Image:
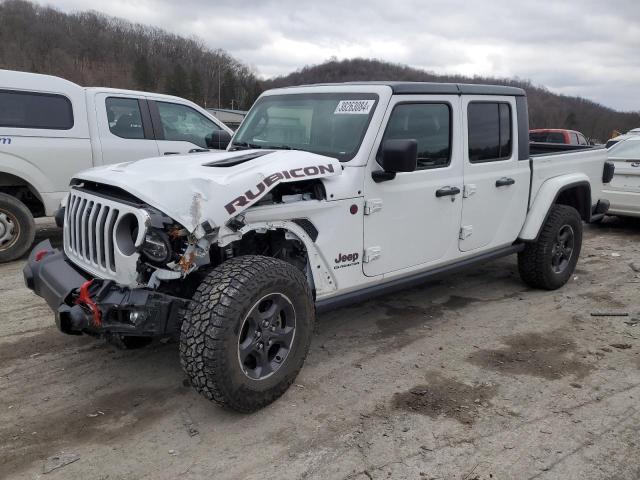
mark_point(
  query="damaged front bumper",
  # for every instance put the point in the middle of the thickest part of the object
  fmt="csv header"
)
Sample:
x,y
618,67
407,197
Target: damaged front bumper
x,y
83,304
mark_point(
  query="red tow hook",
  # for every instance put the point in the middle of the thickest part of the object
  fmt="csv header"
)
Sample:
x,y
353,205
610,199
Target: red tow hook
x,y
84,298
41,254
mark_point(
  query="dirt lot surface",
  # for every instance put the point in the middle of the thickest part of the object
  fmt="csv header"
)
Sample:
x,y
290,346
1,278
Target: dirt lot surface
x,y
472,377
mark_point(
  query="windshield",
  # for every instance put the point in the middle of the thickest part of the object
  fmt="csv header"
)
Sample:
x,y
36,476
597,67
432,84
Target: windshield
x,y
325,123
628,149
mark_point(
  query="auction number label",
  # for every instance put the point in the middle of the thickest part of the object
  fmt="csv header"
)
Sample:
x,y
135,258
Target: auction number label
x,y
357,107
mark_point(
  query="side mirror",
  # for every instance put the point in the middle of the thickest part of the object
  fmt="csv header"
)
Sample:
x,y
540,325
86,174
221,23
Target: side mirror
x,y
396,156
218,140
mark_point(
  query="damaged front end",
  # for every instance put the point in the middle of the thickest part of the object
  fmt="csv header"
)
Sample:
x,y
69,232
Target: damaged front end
x,y
136,243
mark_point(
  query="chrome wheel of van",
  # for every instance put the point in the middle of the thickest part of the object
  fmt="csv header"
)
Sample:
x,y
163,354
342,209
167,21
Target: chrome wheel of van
x,y
9,230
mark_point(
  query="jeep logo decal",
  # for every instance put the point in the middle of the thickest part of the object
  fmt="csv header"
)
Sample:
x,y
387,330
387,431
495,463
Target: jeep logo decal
x,y
251,195
346,260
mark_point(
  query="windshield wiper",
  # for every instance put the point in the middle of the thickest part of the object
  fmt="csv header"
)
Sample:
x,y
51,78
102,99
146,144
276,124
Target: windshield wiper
x,y
244,146
284,147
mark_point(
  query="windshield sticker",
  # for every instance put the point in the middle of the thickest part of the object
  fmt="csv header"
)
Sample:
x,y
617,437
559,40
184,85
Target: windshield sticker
x,y
357,107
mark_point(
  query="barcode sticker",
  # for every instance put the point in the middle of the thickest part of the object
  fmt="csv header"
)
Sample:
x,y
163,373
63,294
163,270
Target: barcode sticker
x,y
357,107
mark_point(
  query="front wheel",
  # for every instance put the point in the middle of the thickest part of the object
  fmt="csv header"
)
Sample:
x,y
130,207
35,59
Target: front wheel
x,y
247,331
17,228
549,262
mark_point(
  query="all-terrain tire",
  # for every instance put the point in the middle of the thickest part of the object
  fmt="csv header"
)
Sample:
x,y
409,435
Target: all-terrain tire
x,y
215,320
17,228
536,263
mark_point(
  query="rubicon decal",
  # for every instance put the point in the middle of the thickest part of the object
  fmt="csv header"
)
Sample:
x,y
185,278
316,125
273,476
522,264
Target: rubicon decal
x,y
346,260
250,195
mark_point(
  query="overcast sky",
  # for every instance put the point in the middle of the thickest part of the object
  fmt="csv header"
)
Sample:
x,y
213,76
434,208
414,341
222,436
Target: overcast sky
x,y
589,48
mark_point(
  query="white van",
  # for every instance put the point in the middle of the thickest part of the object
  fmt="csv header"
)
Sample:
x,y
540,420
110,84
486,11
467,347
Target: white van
x,y
51,129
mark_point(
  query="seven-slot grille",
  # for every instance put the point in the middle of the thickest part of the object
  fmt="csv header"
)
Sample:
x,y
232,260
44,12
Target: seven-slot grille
x,y
89,225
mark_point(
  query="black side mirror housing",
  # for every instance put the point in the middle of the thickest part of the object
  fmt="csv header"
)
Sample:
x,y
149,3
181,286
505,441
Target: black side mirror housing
x,y
396,156
218,139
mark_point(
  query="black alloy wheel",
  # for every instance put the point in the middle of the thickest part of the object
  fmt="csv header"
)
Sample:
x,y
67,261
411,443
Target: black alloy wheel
x,y
266,336
562,250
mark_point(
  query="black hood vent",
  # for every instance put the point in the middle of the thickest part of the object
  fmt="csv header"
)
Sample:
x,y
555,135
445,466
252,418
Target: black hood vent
x,y
230,162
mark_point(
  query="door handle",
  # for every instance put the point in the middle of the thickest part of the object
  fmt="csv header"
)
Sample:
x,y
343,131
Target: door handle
x,y
444,191
505,182
172,153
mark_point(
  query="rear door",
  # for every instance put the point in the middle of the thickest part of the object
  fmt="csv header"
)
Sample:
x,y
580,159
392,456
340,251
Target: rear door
x,y
180,128
412,221
496,183
124,127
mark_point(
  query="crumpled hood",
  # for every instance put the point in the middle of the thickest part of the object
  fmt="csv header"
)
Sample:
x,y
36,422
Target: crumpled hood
x,y
198,187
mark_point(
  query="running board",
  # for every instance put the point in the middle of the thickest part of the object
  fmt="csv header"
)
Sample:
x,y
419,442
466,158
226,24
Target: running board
x,y
410,281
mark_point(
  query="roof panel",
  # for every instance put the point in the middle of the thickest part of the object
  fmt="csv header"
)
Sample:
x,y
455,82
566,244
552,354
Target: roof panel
x,y
417,88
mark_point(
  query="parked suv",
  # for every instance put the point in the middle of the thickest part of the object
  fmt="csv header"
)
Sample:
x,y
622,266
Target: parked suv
x,y
328,195
51,129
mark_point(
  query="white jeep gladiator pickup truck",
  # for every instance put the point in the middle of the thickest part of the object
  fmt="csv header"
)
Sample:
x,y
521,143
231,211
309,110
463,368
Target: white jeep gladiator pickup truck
x,y
328,195
51,129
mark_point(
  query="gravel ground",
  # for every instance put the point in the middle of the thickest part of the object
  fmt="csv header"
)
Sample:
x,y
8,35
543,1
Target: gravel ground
x,y
472,377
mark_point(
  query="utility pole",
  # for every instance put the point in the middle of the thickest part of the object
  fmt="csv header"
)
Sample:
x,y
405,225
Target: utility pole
x,y
219,83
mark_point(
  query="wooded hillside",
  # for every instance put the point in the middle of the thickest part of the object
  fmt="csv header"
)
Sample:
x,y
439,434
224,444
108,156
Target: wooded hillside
x,y
546,109
96,50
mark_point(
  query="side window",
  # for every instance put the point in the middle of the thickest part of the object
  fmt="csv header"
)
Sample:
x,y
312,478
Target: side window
x,y
427,123
490,131
35,110
183,123
574,138
582,140
124,117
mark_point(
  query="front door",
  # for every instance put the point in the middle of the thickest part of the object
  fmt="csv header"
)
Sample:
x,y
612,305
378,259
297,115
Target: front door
x,y
496,182
413,220
179,128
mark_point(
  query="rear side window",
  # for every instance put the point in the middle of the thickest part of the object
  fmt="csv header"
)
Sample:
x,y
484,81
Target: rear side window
x,y
124,117
427,123
35,110
490,132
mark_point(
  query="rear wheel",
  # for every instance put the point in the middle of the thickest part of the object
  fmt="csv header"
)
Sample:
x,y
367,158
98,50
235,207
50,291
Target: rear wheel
x,y
17,228
247,332
549,262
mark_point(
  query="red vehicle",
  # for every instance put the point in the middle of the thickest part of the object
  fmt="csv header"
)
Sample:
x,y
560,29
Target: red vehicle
x,y
557,135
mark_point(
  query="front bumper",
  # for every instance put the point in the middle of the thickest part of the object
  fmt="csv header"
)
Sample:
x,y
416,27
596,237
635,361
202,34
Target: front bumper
x,y
116,309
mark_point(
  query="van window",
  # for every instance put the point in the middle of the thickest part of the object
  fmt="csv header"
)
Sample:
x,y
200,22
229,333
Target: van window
x,y
490,135
427,123
35,110
183,123
124,117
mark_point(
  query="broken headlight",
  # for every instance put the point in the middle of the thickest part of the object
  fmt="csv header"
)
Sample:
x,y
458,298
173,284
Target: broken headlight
x,y
156,247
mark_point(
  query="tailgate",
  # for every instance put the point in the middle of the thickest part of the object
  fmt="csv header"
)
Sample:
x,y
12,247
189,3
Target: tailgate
x,y
626,177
